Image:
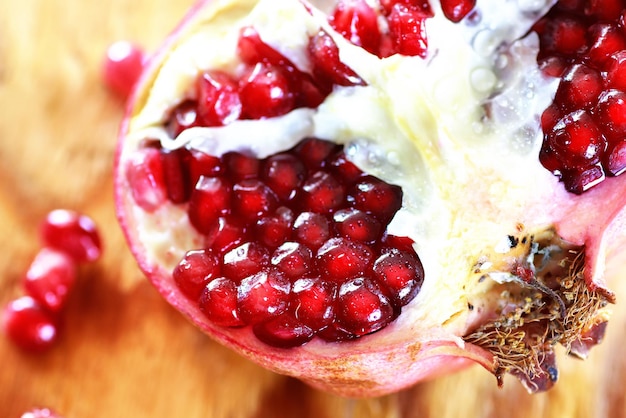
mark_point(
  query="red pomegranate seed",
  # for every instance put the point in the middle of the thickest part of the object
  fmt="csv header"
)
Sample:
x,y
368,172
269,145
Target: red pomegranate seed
x,y
616,74
272,231
401,273
344,169
218,301
357,225
327,65
580,87
227,234
456,10
244,260
610,113
580,180
252,199
50,278
313,301
362,307
218,99
209,200
340,259
604,9
262,296
265,92
40,413
194,271
240,166
73,233
311,229
293,259
29,325
374,196
358,23
283,331
313,152
605,40
122,67
182,117
144,173
408,31
576,140
175,175
322,192
284,174
201,164
616,161
252,49
562,35
422,5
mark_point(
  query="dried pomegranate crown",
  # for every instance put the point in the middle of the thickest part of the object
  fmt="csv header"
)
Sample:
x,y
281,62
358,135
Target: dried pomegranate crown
x,y
364,194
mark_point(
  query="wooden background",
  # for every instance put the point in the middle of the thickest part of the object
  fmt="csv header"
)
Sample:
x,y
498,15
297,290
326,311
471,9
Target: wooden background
x,y
124,352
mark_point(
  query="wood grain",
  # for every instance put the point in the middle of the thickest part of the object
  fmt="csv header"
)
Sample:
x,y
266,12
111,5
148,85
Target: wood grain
x,y
124,352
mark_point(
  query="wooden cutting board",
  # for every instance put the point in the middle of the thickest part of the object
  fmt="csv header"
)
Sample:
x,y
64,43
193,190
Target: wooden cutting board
x,y
123,352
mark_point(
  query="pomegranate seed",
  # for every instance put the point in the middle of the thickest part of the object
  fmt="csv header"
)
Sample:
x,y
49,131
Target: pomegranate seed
x,y
265,92
374,196
182,117
245,260
218,99
311,229
283,331
604,9
616,74
342,168
456,10
340,258
408,31
275,230
313,152
422,5
201,164
29,325
616,163
401,273
262,296
240,166
40,413
252,199
313,301
50,278
322,192
580,180
175,175
610,113
209,200
293,259
228,233
358,23
357,225
218,301
252,50
327,65
144,173
73,233
284,174
605,40
362,308
563,35
194,271
579,88
122,67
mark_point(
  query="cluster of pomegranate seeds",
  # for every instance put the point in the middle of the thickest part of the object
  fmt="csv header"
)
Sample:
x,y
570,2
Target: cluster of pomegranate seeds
x,y
405,33
68,238
122,67
583,42
295,245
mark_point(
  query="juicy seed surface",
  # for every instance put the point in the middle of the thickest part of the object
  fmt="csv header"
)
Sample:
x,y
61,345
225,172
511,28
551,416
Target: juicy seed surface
x,y
29,325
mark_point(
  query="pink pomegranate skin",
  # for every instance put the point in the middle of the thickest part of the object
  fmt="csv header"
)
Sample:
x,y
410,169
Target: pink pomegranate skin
x,y
403,353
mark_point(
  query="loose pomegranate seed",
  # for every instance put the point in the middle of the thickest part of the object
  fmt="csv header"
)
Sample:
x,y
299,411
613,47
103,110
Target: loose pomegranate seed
x,y
283,331
293,259
245,260
456,10
362,307
327,65
71,232
218,99
357,225
358,23
50,278
122,67
313,302
144,173
209,200
29,325
408,31
341,258
194,271
262,296
218,301
401,273
265,92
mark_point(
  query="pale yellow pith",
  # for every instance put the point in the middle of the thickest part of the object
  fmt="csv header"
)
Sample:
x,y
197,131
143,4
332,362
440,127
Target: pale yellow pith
x,y
419,123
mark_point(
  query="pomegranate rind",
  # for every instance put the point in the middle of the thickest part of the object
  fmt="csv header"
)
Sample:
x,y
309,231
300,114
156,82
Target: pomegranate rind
x,y
414,347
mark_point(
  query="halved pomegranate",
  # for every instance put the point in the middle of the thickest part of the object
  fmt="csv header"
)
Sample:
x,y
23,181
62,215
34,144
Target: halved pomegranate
x,y
353,192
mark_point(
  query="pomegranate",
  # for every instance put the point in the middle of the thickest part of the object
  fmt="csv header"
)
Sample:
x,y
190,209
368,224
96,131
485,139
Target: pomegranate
x,y
366,194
